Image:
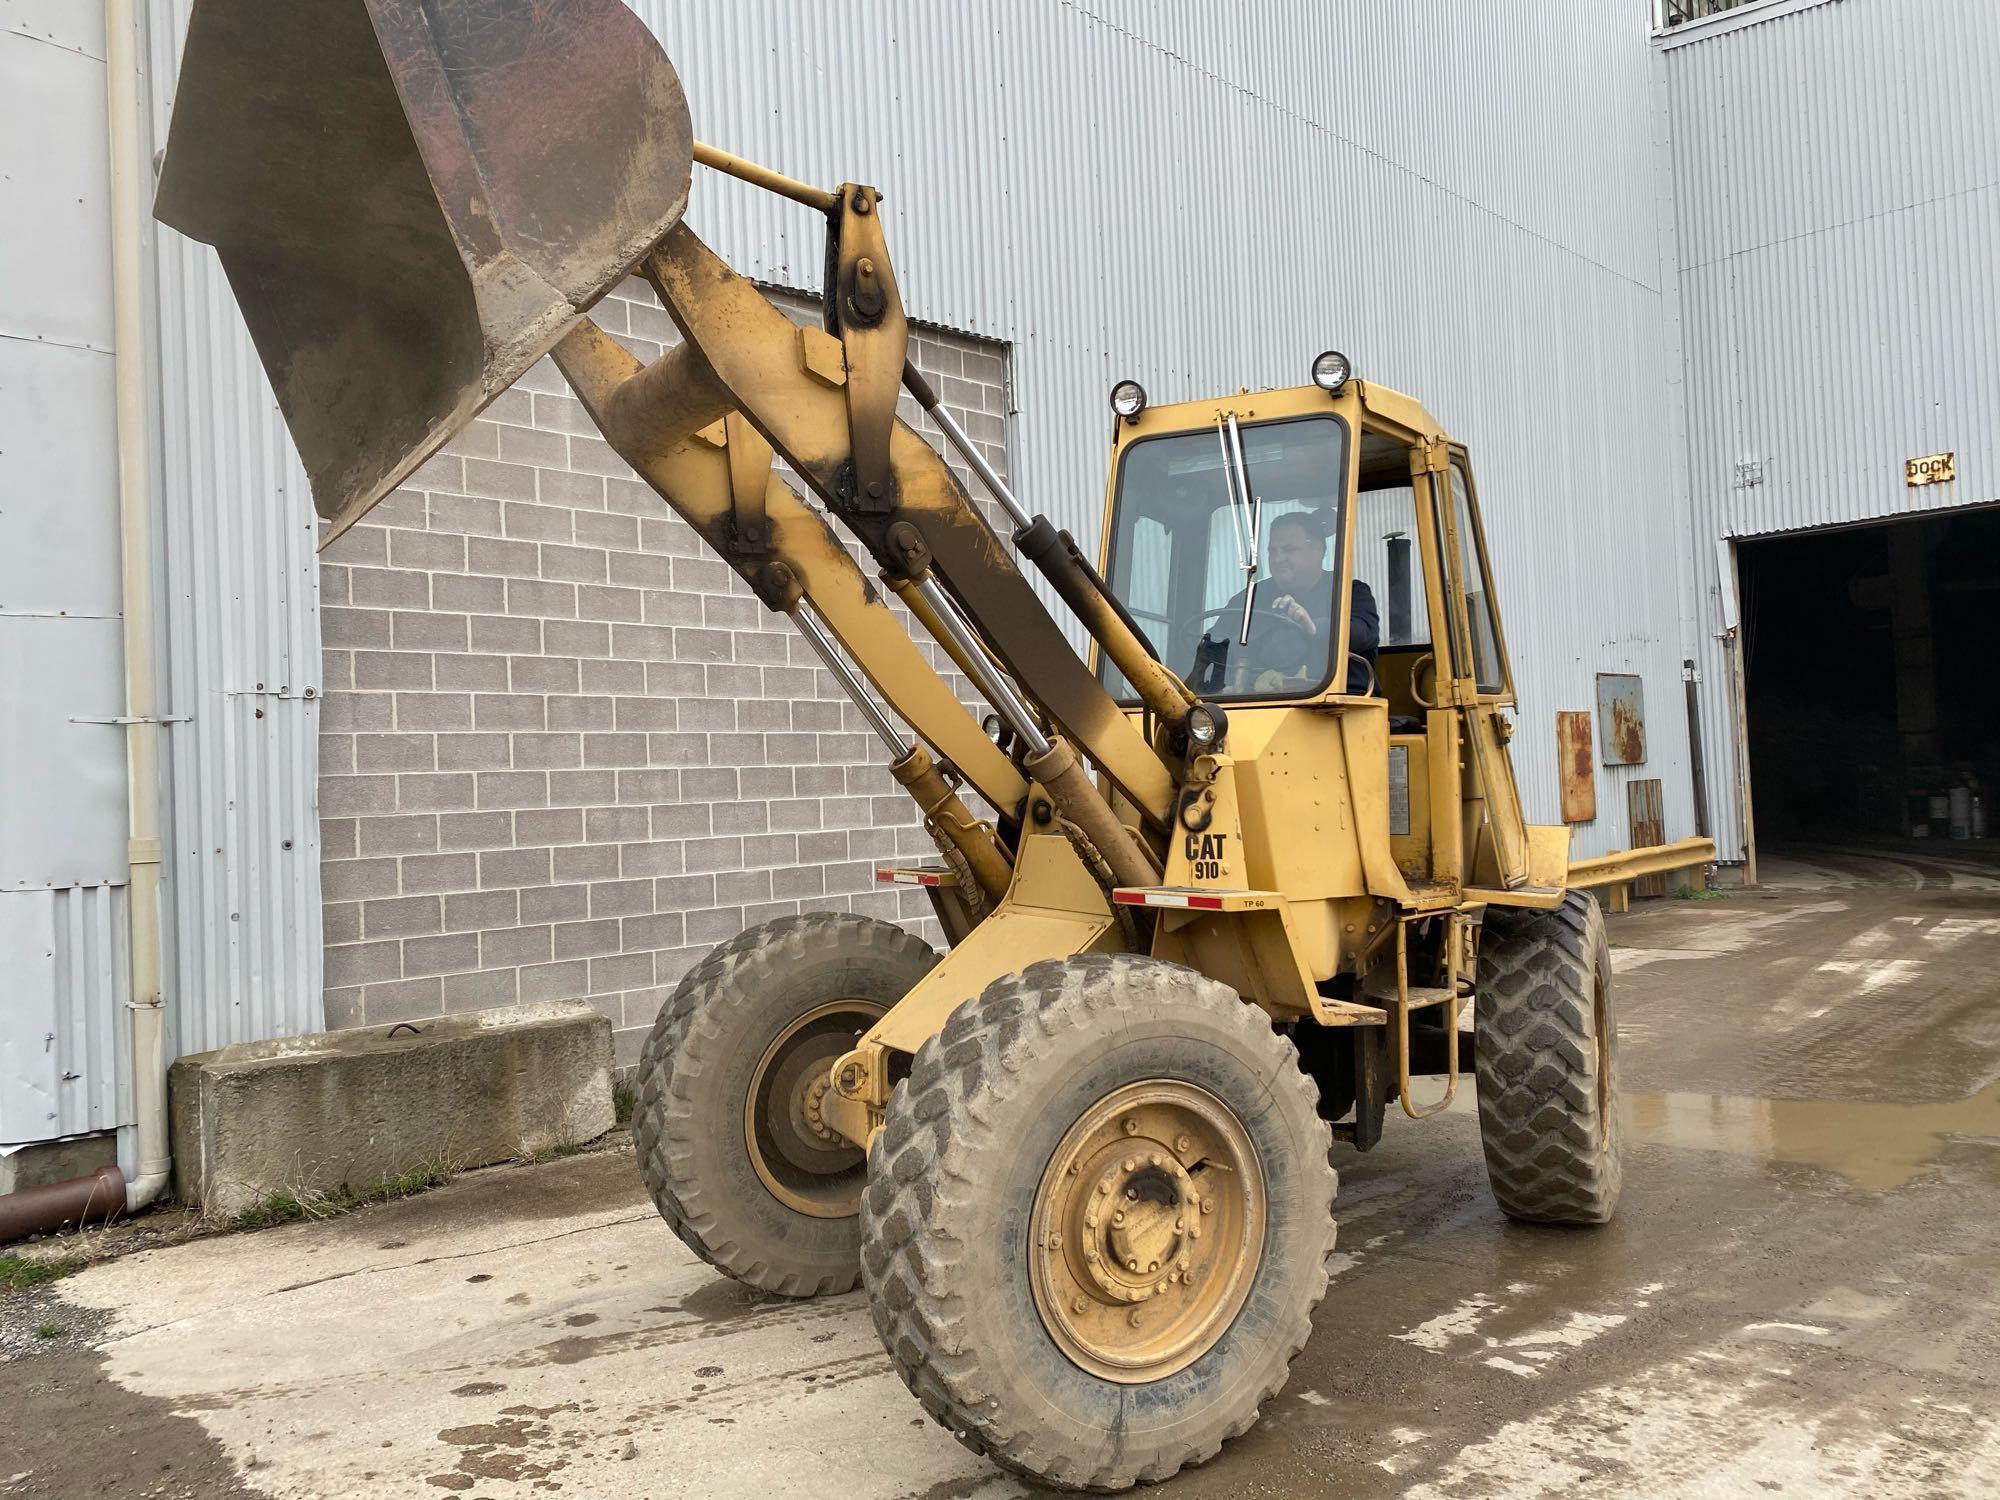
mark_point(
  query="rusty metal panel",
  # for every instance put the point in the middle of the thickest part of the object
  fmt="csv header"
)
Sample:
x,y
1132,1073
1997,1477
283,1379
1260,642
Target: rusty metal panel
x,y
1621,713
1646,808
1574,767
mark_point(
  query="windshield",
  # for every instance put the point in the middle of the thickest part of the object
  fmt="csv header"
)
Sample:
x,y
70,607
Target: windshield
x,y
1236,591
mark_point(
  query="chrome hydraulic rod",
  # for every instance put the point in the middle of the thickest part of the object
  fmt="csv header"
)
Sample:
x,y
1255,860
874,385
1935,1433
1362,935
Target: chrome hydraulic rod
x,y
993,687
961,442
965,841
807,621
1090,599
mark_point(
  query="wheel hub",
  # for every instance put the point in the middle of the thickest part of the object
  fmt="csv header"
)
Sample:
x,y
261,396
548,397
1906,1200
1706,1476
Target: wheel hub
x,y
1149,1226
799,1157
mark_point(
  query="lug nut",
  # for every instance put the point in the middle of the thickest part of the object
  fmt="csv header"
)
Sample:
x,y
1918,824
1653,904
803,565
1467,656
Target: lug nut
x,y
1183,1143
1133,1317
1078,1305
1119,1217
1180,1226
1128,1164
1131,1127
1155,1159
1208,1205
1055,1241
1154,1266
1132,1265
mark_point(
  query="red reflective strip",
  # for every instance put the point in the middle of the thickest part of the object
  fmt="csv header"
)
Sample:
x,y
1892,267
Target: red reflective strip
x,y
885,874
1206,903
1129,898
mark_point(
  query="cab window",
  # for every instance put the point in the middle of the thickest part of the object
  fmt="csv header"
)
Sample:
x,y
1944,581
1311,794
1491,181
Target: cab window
x,y
1489,671
1232,569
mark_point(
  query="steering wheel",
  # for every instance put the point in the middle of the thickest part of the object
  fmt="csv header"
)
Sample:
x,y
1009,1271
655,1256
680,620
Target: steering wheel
x,y
1428,659
1195,624
1262,617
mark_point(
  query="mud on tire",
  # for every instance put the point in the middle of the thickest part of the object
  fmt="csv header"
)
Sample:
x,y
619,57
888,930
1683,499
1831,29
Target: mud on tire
x,y
1544,1041
696,1071
946,1219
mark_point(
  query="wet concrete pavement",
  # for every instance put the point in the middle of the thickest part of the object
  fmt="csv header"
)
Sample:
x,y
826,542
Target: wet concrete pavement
x,y
1801,1295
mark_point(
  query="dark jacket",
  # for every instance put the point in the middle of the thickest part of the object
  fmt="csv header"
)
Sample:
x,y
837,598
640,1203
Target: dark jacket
x,y
1364,624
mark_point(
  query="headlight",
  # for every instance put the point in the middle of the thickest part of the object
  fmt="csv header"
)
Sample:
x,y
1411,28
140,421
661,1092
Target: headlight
x,y
1128,399
1205,725
1330,371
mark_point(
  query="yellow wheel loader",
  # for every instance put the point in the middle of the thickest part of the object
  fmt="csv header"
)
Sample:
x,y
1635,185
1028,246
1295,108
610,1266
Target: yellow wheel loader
x,y
1217,892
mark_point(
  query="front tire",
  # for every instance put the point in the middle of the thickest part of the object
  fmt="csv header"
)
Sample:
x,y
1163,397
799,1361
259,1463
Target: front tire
x,y
1026,1235
729,1141
1543,1038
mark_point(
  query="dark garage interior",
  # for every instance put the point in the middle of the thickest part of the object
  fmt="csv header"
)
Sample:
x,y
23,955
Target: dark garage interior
x,y
1872,675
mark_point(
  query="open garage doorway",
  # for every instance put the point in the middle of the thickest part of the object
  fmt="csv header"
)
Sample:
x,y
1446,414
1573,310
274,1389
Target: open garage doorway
x,y
1872,680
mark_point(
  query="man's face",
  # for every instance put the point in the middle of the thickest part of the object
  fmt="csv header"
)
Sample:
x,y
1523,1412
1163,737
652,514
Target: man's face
x,y
1295,557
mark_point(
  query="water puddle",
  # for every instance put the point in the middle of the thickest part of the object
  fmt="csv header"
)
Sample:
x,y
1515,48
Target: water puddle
x,y
1877,1147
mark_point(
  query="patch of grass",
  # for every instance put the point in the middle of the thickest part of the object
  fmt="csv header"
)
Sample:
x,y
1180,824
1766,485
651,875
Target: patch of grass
x,y
50,1330
555,1152
422,1180
623,1100
18,1272
279,1208
306,1203
1689,893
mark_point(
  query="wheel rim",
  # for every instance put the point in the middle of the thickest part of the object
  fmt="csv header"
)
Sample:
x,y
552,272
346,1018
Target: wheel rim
x,y
806,1164
1148,1229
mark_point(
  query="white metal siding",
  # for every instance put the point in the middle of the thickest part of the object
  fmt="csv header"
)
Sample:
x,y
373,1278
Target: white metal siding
x,y
1203,197
62,1044
241,646
1838,180
62,782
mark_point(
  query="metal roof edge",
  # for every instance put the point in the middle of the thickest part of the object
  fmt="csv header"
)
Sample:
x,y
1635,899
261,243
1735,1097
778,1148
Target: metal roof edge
x,y
1725,22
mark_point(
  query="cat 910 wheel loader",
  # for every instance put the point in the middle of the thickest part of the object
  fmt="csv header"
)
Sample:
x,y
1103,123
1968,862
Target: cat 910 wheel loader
x,y
1216,892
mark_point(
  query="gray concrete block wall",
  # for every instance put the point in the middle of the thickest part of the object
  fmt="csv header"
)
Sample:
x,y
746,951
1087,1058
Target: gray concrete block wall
x,y
565,750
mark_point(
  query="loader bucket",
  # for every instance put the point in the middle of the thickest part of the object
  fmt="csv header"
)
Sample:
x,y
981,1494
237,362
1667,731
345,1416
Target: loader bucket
x,y
415,199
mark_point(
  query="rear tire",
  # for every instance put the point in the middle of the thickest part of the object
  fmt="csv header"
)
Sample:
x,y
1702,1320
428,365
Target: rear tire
x,y
1081,1089
761,1012
1544,1040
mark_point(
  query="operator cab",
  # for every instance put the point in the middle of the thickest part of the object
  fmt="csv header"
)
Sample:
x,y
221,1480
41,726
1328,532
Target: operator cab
x,y
1320,548
1271,555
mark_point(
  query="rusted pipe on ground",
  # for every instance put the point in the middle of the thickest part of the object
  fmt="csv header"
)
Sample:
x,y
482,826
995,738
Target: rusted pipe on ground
x,y
95,1199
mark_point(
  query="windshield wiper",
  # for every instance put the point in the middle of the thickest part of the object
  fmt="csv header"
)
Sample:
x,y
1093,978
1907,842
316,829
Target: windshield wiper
x,y
1245,515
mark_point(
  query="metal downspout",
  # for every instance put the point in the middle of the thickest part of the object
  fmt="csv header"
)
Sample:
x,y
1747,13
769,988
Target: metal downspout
x,y
151,1165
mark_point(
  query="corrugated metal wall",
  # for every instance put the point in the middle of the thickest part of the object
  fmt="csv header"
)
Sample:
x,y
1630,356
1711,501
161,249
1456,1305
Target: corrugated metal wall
x,y
62,1067
1838,176
63,865
1204,197
242,650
